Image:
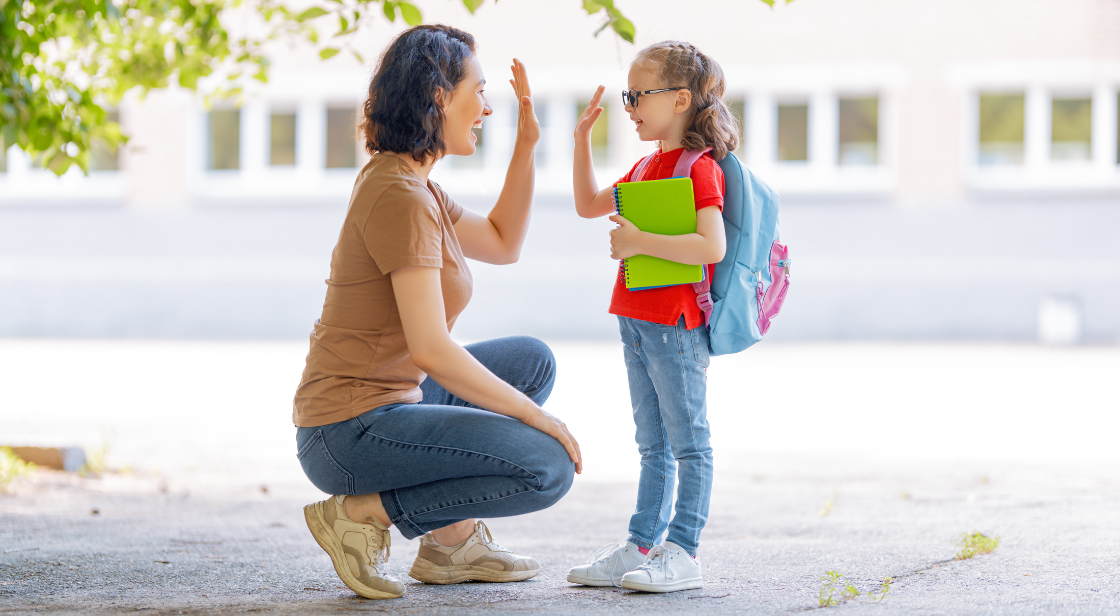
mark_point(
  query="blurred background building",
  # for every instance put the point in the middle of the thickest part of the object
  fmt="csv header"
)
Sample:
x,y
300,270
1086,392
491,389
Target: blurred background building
x,y
949,170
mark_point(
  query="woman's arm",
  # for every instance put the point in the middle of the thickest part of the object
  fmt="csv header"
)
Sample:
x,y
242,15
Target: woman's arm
x,y
590,201
705,246
498,237
420,302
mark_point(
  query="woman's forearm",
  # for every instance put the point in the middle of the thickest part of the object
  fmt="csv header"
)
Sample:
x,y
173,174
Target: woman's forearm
x,y
462,375
510,215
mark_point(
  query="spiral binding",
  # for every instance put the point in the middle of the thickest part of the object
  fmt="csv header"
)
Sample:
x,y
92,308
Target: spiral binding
x,y
623,271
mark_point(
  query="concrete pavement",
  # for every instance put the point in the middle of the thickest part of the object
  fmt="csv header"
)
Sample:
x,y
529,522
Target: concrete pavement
x,y
902,448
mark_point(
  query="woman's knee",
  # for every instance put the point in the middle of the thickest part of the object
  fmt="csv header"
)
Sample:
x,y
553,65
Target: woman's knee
x,y
555,473
534,352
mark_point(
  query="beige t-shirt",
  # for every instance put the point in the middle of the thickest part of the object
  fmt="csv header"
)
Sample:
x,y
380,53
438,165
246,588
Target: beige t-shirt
x,y
359,359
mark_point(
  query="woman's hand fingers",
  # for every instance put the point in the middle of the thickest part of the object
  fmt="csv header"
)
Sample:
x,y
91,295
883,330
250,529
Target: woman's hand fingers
x,y
522,76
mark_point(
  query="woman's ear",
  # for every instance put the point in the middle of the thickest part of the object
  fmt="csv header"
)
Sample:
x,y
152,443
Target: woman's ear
x,y
442,97
683,102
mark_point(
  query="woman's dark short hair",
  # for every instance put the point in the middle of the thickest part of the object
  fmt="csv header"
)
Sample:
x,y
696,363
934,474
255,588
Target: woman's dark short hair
x,y
401,113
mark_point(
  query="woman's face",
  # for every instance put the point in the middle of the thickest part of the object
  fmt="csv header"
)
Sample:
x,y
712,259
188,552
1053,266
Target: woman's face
x,y
465,111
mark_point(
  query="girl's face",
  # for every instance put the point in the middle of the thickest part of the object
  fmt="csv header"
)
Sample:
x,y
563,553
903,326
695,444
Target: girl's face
x,y
657,116
465,111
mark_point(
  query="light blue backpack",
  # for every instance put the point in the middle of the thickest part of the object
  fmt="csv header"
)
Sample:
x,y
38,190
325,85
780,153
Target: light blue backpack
x,y
750,283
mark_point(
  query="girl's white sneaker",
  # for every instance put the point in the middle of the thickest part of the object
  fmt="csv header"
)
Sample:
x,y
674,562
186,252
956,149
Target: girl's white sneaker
x,y
607,565
668,568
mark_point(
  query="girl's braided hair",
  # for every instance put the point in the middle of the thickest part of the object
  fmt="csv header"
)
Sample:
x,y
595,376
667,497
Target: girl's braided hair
x,y
680,64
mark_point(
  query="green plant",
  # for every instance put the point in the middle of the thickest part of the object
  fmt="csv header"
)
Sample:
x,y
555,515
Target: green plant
x,y
975,544
882,593
12,467
835,589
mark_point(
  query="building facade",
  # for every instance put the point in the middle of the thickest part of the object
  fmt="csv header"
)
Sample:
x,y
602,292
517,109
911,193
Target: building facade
x,y
907,102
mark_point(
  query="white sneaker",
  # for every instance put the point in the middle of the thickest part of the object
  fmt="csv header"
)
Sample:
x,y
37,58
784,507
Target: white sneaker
x,y
668,568
607,565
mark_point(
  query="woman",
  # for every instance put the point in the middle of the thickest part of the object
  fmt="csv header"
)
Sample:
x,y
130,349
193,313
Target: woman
x,y
426,455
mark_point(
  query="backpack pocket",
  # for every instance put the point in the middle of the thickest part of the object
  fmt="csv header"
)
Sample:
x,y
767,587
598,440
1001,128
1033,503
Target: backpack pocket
x,y
770,301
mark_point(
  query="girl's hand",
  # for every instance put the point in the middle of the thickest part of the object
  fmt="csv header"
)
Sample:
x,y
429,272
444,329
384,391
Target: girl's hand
x,y
528,128
558,430
625,239
589,115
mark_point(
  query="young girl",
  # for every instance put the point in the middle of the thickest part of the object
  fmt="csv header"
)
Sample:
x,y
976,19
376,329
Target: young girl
x,y
674,98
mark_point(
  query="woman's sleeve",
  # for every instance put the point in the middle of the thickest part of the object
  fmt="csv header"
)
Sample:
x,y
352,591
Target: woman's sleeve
x,y
454,210
404,228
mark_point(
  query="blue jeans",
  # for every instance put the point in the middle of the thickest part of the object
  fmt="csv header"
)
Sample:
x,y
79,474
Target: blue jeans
x,y
666,366
444,460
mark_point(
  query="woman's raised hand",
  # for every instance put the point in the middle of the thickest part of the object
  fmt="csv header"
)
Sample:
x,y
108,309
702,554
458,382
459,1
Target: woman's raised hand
x,y
589,115
543,421
528,128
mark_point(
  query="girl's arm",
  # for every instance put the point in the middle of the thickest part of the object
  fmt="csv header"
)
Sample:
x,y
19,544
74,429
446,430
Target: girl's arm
x,y
590,201
497,238
420,302
705,246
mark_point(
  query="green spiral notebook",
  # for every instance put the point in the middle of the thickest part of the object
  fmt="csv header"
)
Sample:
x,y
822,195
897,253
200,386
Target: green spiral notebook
x,y
665,207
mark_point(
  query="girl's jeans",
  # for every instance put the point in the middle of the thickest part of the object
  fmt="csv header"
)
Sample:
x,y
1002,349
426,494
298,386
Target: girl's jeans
x,y
667,369
444,460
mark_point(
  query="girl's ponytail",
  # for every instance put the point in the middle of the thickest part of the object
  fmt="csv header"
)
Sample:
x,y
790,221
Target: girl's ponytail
x,y
681,64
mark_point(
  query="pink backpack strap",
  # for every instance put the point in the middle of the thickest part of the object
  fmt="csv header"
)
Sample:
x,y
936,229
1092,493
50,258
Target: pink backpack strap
x,y
685,162
704,287
641,168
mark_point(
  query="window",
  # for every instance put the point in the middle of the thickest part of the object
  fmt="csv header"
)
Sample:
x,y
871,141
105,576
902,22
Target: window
x,y
342,150
225,139
793,132
101,157
540,159
1071,129
1002,118
859,131
282,139
739,110
600,142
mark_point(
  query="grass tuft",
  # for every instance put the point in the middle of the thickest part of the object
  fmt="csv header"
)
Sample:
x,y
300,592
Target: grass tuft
x,y
835,590
975,544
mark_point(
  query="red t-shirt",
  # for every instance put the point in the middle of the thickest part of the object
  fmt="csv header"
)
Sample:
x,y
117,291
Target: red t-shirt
x,y
666,304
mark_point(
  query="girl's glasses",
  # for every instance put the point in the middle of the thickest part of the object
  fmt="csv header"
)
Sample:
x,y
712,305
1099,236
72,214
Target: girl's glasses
x,y
630,97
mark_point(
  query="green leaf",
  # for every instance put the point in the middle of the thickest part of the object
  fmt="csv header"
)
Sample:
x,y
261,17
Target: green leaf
x,y
411,14
310,14
390,9
358,57
625,28
472,5
327,53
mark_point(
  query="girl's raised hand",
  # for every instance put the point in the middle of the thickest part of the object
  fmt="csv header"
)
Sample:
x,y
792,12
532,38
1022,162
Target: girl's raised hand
x,y
528,128
589,115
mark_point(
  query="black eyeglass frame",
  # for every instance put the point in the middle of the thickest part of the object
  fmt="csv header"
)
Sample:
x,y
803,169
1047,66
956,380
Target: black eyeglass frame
x,y
632,99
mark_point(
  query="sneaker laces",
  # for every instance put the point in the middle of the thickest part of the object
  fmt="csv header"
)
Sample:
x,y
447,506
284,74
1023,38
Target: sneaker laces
x,y
487,538
611,551
383,552
657,559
